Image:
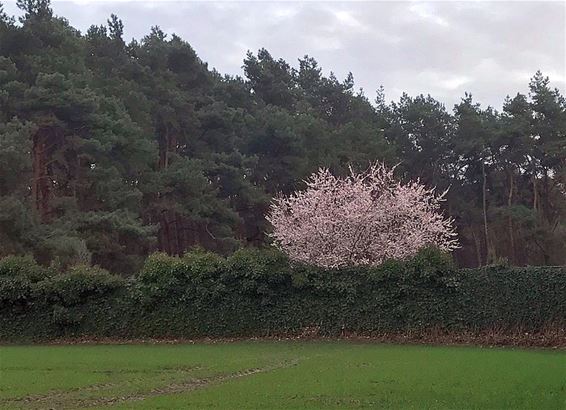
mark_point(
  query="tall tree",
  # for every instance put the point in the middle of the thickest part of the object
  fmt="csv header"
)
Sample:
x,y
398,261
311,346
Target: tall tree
x,y
119,149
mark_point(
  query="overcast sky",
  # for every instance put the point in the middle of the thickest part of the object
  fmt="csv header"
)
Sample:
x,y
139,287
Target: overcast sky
x,y
490,49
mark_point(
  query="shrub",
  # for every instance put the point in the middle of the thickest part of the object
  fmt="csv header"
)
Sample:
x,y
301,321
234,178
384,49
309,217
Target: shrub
x,y
258,292
24,267
78,285
18,274
259,270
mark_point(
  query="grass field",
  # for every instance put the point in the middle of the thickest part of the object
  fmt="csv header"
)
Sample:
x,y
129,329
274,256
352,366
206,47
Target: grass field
x,y
280,375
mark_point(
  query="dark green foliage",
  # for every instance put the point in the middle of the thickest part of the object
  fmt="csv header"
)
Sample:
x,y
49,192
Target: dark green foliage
x,y
23,267
60,302
79,285
111,151
527,297
258,292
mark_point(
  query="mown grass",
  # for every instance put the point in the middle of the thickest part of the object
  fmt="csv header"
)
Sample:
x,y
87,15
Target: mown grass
x,y
280,375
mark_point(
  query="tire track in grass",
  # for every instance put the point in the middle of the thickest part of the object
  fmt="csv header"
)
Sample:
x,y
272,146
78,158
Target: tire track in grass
x,y
193,384
67,399
58,398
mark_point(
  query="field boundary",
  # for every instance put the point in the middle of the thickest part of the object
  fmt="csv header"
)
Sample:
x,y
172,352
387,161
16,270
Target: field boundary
x,y
553,338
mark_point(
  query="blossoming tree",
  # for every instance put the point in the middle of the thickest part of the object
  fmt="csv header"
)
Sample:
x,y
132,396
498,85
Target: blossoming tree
x,y
362,219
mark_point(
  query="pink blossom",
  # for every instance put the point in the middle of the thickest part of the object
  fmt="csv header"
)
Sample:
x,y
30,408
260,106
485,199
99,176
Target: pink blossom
x,y
362,219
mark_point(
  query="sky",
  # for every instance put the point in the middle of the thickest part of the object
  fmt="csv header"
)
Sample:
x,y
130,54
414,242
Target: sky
x,y
441,48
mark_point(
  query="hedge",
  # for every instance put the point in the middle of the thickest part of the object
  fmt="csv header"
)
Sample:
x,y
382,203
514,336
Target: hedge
x,y
259,293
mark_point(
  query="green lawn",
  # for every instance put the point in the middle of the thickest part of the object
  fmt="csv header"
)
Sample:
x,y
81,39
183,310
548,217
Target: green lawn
x,y
280,375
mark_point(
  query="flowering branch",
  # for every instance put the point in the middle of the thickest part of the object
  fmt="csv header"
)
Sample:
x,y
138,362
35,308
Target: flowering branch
x,y
362,219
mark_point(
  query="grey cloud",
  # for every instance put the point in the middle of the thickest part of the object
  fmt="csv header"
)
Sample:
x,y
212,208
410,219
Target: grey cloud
x,y
442,48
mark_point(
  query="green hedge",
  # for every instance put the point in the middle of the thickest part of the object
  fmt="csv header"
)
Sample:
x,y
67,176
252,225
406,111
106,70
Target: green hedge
x,y
258,292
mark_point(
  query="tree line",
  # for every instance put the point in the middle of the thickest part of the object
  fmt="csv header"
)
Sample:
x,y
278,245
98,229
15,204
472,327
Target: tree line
x,y
112,150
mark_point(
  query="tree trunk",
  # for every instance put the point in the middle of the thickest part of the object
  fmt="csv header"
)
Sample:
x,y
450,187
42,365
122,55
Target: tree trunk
x,y
164,151
510,219
41,184
170,240
173,233
167,145
477,244
535,194
546,206
165,244
489,255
